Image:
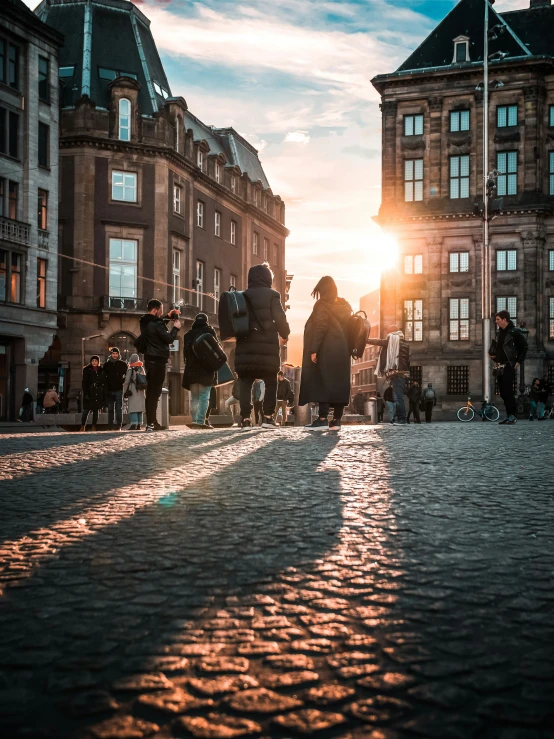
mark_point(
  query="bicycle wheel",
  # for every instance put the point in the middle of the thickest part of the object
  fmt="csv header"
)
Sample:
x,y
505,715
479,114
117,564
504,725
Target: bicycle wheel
x,y
491,413
466,414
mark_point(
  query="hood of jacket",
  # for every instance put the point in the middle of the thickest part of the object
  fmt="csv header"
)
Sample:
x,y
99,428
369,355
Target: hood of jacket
x,y
146,319
260,276
340,307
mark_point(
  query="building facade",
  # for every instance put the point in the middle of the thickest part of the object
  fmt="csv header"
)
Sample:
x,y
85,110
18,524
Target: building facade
x,y
29,117
363,369
154,203
432,191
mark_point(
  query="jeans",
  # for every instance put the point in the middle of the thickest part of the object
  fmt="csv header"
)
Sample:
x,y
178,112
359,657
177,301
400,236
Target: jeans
x,y
155,376
414,408
537,409
338,410
84,417
200,400
391,408
231,404
506,386
398,385
115,400
258,411
270,398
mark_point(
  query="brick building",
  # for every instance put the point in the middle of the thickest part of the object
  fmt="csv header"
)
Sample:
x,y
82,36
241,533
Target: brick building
x,y
154,202
29,115
432,114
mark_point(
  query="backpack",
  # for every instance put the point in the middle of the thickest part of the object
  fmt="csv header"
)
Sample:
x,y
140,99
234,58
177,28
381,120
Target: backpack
x,y
209,352
358,333
140,381
140,344
234,320
429,394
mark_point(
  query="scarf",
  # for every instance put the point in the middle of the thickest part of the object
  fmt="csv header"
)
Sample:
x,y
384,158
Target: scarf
x,y
393,350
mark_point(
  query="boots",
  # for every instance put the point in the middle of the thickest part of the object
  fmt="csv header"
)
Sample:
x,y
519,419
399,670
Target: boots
x,y
93,427
83,428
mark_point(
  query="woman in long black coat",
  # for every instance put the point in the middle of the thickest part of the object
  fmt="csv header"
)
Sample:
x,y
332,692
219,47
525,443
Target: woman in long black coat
x,y
196,377
326,362
94,391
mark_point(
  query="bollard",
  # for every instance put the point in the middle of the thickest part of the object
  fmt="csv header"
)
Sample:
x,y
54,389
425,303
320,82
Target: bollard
x,y
303,415
370,409
162,411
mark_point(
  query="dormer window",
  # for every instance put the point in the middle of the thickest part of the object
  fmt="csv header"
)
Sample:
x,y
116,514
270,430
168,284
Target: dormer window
x,y
124,119
461,50
200,158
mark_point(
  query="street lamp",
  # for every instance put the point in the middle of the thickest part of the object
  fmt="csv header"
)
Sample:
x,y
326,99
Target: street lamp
x,y
87,338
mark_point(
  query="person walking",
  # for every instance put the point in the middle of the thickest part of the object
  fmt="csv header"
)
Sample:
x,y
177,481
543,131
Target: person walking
x,y
51,401
380,407
258,394
196,377
430,401
283,396
115,370
26,410
258,355
326,360
545,390
134,392
156,340
233,403
414,399
94,391
391,405
394,364
508,351
535,399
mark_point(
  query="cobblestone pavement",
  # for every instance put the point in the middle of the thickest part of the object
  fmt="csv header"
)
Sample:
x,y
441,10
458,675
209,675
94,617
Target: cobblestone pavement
x,y
381,584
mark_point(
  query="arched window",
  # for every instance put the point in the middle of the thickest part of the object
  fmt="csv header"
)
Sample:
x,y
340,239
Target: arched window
x,y
124,119
124,341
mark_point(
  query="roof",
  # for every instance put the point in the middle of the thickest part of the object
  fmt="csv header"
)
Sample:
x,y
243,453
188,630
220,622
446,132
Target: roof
x,y
535,28
20,12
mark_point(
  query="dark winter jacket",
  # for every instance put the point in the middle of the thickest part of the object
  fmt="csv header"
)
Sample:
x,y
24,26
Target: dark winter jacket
x,y
259,354
194,370
535,392
283,389
545,391
414,393
158,338
114,372
510,346
403,356
326,334
94,388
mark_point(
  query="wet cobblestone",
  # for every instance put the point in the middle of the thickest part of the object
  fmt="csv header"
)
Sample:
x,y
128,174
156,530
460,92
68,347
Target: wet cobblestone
x,y
386,583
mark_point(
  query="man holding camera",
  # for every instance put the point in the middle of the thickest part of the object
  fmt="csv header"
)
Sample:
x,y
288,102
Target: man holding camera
x,y
156,340
508,351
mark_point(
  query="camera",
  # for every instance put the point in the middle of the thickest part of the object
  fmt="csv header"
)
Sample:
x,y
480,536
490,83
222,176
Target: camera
x,y
174,314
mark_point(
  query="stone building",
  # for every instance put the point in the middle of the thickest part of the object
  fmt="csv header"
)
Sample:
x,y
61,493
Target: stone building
x,y
363,369
432,183
29,115
154,202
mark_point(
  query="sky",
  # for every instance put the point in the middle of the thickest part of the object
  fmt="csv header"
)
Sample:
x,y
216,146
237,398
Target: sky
x,y
294,78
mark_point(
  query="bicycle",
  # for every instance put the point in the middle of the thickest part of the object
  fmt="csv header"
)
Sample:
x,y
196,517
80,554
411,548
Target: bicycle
x,y
488,412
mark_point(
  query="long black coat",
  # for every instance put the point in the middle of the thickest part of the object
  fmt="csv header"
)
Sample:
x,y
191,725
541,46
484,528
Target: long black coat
x,y
326,334
194,371
259,353
94,388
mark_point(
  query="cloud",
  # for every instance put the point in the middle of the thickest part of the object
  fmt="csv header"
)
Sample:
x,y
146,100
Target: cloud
x,y
362,151
297,137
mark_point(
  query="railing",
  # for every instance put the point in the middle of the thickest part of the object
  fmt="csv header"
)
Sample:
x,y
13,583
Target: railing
x,y
133,305
43,239
14,231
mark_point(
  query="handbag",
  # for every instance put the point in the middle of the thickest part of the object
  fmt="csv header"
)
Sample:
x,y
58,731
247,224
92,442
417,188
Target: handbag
x,y
498,371
225,375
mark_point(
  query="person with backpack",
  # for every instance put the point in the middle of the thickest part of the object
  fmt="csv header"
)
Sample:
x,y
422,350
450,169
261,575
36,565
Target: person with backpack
x,y
134,388
326,360
430,401
94,391
394,364
258,395
258,352
197,377
154,342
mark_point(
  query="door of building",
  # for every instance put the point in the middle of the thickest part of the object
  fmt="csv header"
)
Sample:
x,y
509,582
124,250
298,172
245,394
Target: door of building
x,y
6,400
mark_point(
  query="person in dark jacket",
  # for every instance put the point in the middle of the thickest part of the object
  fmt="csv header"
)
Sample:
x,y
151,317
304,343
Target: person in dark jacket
x,y
94,391
508,351
115,370
26,413
391,405
283,396
326,361
546,389
534,398
380,406
196,377
394,364
259,354
414,399
156,355
429,401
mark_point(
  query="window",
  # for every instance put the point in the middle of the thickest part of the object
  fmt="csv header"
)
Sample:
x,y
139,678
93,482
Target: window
x,y
124,186
13,198
41,283
112,74
2,195
15,278
416,374
457,380
42,220
43,144
506,260
459,177
413,320
200,214
217,223
551,115
66,72
13,66
506,164
217,172
255,240
459,319
9,133
2,62
199,283
3,130
200,158
413,180
413,125
459,120
551,317
551,260
233,183
509,304
161,91
458,261
276,254
43,78
4,272
217,284
13,138
266,250
176,199
551,172
461,52
232,281
256,197
123,268
124,119
506,115
178,125
176,275
233,232
413,264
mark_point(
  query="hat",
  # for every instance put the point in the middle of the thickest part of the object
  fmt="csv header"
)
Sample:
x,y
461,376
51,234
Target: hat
x,y
95,356
114,349
200,320
133,358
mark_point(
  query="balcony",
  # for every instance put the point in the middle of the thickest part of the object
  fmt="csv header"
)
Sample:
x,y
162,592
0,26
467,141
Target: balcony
x,y
125,305
14,231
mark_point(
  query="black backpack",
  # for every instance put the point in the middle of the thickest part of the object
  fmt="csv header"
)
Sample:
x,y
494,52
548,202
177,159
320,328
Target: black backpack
x,y
358,333
235,315
209,352
140,343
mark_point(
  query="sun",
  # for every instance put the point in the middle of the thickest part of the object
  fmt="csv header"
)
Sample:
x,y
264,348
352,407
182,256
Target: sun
x,y
384,252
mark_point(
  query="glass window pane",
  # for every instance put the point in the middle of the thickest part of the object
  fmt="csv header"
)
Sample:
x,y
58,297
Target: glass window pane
x,y
409,169
501,162
551,184
551,115
500,260
454,121
501,117
408,331
117,192
418,331
464,261
408,310
551,260
464,120
409,191
512,161
512,184
501,185
418,264
512,115
464,187
454,166
418,191
464,308
409,125
418,125
551,307
464,330
454,260
130,251
454,308
511,261
116,249
464,166
418,173
408,265
454,189
131,180
512,307
418,310
454,331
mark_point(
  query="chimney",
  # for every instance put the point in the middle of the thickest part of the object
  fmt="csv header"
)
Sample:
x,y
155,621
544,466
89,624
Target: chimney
x,y
540,3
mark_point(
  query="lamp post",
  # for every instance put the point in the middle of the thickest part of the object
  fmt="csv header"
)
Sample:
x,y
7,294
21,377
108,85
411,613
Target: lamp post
x,y
486,257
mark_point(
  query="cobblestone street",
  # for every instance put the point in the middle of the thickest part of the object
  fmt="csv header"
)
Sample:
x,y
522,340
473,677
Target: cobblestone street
x,y
384,583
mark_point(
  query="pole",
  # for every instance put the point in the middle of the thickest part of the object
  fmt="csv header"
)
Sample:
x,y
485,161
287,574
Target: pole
x,y
486,257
